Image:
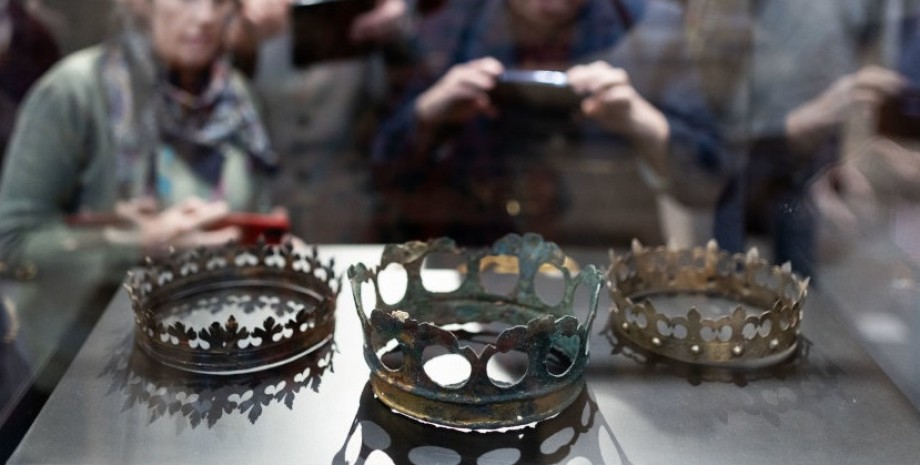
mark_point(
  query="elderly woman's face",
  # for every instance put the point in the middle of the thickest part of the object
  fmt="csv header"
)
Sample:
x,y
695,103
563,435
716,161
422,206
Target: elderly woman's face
x,y
189,34
547,14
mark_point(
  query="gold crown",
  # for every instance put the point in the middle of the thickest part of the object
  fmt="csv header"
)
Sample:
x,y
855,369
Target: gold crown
x,y
233,309
760,326
423,319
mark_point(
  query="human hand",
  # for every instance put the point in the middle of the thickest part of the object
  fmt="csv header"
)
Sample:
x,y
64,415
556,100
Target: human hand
x,y
181,226
903,163
611,100
384,22
892,167
843,197
265,18
461,94
863,90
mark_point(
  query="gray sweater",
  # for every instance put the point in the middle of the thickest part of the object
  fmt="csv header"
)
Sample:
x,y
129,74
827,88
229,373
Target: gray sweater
x,y
61,161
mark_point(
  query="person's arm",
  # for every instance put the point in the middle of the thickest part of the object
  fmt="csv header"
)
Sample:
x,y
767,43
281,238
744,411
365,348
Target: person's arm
x,y
257,21
423,123
57,167
41,179
611,100
808,125
683,152
387,21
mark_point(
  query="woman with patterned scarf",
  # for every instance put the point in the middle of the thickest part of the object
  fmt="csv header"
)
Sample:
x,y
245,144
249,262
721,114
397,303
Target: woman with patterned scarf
x,y
153,132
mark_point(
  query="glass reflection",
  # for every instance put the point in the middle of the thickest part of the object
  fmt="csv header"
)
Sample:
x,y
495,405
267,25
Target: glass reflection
x,y
167,392
378,435
799,383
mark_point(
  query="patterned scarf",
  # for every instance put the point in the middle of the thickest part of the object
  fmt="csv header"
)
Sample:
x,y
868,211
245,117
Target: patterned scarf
x,y
145,111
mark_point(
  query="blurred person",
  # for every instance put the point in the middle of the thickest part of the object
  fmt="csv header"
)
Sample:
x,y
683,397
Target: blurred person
x,y
457,162
690,58
805,118
27,50
151,131
266,20
861,92
876,179
122,150
450,161
320,114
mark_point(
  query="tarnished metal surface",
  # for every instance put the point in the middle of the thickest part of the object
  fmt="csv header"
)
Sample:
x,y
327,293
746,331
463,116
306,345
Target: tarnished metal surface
x,y
736,336
544,333
280,302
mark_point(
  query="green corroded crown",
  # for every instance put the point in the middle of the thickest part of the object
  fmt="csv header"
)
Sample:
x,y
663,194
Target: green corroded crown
x,y
548,338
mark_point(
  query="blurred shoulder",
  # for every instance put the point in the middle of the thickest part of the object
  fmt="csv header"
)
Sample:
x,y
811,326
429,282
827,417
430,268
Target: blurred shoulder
x,y
77,72
78,64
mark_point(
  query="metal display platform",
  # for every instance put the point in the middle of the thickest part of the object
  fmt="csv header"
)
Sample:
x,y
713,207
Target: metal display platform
x,y
831,404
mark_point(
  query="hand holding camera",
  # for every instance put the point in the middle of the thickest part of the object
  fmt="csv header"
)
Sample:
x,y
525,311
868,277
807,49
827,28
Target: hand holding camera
x,y
611,100
461,95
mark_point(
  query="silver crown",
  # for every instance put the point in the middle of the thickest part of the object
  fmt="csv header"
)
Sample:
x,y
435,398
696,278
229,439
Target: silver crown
x,y
233,309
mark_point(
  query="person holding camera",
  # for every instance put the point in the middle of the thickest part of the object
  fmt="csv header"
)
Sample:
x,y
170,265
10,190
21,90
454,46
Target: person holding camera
x,y
452,161
472,153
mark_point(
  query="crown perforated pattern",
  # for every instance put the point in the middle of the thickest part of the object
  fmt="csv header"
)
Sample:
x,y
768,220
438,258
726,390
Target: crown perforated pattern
x,y
417,322
233,308
761,328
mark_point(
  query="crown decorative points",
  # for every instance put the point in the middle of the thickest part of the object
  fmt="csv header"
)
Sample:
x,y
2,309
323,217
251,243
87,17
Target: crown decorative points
x,y
233,309
423,319
760,328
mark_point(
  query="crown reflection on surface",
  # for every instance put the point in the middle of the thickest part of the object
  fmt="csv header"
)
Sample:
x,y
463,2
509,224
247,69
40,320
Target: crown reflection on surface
x,y
233,309
736,337
420,320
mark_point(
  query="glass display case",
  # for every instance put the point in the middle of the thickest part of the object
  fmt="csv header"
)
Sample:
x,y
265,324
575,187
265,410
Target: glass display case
x,y
151,127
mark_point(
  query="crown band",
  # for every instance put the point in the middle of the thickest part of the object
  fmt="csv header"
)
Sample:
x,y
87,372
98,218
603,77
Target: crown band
x,y
551,337
761,329
280,303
